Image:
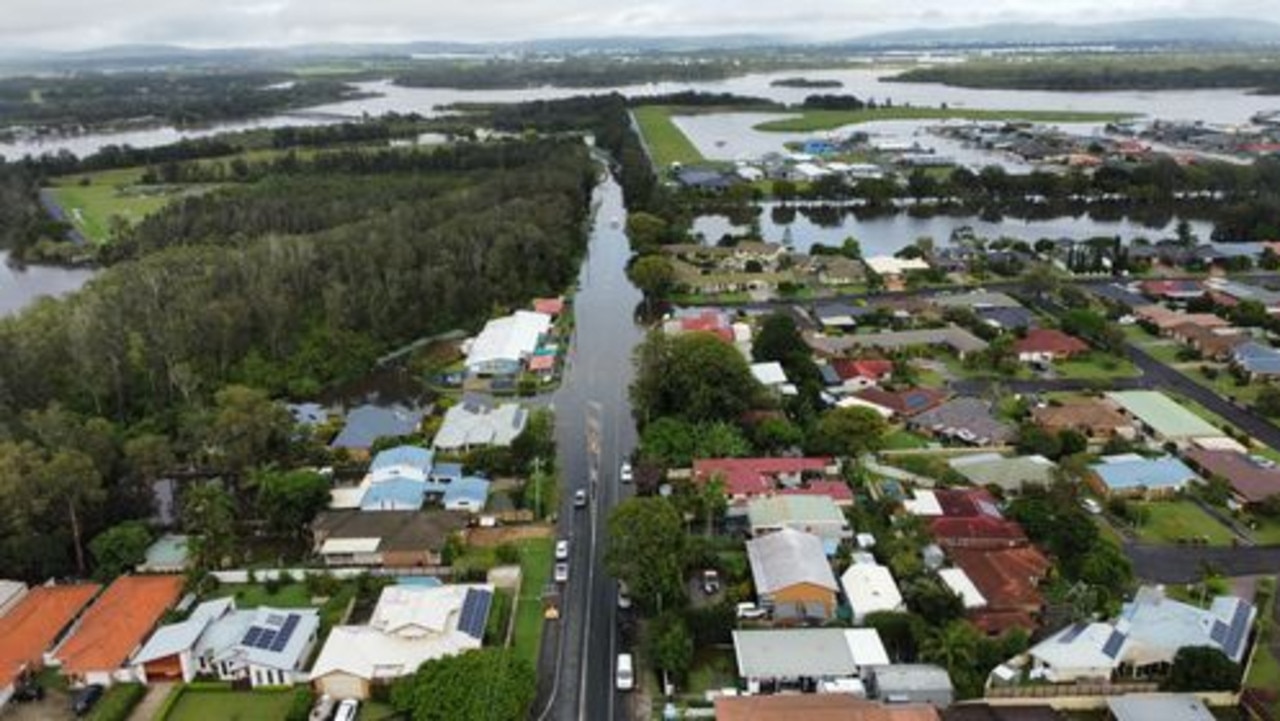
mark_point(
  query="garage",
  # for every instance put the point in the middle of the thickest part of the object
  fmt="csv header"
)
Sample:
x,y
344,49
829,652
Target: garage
x,y
168,668
343,686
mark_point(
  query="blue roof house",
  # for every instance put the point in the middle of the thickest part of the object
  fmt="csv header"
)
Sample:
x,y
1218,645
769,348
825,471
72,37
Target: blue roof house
x,y
395,494
367,423
1133,475
467,494
1257,360
411,461
446,472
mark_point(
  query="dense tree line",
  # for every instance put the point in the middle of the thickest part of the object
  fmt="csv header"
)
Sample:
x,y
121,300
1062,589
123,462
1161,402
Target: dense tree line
x,y
93,99
595,72
1096,75
841,102
698,99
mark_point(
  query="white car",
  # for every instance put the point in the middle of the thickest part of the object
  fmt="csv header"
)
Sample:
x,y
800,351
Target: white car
x,y
562,550
750,611
625,676
624,597
347,710
625,473
562,573
580,498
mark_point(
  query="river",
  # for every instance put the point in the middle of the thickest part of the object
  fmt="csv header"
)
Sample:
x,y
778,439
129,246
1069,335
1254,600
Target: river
x,y
20,287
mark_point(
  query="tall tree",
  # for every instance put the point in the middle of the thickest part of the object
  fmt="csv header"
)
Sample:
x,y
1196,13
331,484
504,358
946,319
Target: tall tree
x,y
290,500
487,683
647,551
118,549
208,514
70,479
849,432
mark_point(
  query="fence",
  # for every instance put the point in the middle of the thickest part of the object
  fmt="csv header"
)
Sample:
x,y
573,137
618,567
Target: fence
x,y
343,574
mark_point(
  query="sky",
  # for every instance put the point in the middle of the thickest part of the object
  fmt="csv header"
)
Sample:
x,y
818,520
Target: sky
x,y
81,24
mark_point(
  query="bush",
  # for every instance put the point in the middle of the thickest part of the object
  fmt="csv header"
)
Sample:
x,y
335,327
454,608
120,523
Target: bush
x,y
118,702
321,585
286,579
300,708
507,554
272,585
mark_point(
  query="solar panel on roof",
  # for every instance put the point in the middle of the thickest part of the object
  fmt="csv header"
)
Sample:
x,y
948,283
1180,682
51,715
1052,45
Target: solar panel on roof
x,y
1073,633
286,632
251,638
275,619
1112,647
1239,630
1219,632
266,639
475,612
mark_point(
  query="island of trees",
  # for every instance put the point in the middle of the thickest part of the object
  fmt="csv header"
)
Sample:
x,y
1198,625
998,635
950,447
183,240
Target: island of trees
x,y
799,82
1102,73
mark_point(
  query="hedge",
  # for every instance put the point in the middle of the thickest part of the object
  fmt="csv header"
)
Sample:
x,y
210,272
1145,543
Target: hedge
x,y
118,702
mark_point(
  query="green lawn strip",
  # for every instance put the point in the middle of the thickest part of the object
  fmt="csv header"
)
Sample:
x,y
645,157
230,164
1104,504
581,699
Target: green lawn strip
x,y
1175,521
118,702
223,704
815,120
377,711
292,595
904,440
667,143
1096,366
535,570
712,669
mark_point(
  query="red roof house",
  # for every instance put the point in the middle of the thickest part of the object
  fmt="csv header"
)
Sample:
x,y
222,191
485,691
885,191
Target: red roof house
x,y
1250,482
34,624
1048,344
550,306
116,625
870,369
1009,580
747,478
904,403
971,519
1172,289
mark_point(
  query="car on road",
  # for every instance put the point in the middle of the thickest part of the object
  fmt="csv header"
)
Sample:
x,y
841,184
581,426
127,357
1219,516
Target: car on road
x,y
1092,506
562,573
710,582
625,473
562,550
626,679
750,611
580,498
347,710
624,596
85,699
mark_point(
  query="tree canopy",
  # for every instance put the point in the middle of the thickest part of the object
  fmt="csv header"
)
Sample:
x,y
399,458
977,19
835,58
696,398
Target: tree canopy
x,y
488,683
647,551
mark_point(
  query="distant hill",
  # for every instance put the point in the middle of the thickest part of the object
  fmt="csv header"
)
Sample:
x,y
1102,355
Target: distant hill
x,y
1204,31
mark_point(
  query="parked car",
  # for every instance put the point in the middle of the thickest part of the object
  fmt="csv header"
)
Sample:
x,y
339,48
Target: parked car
x,y
750,611
323,710
28,690
625,473
1091,505
562,550
84,700
562,572
347,710
624,596
710,582
580,498
626,679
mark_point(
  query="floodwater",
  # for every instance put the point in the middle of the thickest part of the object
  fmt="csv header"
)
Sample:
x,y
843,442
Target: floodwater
x,y
20,287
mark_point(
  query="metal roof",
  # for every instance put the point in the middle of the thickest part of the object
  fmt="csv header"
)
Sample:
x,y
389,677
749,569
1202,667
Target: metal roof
x,y
1164,415
786,558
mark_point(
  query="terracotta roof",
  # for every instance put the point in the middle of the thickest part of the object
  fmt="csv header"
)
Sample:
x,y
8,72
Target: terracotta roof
x,y
1208,340
872,368
1250,481
967,502
118,622
542,363
976,531
754,476
550,306
817,707
909,402
1162,288
1164,318
31,627
1007,577
837,491
1049,340
996,623
1093,416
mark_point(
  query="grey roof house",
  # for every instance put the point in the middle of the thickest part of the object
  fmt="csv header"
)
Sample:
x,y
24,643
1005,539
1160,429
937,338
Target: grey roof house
x,y
965,419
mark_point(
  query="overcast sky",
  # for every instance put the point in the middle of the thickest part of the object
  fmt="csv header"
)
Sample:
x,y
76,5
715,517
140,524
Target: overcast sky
x,y
77,24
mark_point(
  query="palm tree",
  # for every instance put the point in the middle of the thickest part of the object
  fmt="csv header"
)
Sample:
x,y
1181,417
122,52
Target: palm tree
x,y
953,646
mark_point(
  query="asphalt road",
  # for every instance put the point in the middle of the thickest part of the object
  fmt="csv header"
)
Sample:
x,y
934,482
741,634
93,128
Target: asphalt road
x,y
594,433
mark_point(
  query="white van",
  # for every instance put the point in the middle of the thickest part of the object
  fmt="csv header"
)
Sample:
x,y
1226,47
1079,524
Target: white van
x,y
347,710
626,675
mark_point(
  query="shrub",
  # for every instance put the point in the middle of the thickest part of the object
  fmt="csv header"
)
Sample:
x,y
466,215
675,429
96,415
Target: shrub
x,y
508,554
300,708
118,702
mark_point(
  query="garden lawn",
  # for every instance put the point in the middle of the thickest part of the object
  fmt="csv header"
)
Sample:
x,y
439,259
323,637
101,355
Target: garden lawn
x,y
226,705
712,669
904,440
376,711
815,120
535,570
90,208
292,595
1096,366
666,142
1172,521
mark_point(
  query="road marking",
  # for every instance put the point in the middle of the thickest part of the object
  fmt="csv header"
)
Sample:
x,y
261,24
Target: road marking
x,y
591,575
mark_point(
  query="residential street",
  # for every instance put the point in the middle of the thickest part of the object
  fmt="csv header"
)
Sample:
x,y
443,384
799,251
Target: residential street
x,y
594,433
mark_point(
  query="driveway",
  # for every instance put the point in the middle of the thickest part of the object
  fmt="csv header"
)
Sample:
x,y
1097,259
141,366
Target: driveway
x,y
149,707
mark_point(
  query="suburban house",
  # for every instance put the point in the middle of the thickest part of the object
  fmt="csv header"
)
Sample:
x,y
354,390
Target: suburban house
x,y
814,514
700,320
1046,345
748,478
1251,482
806,658
471,425
772,376
549,306
1094,418
903,403
1009,580
116,626
1256,361
1010,475
366,424
261,646
1143,640
1164,320
411,625
1163,706
975,300
404,478
1133,475
859,373
1009,319
33,624
792,576
894,270
1240,292
841,316
504,344
1172,289
393,539
959,340
817,707
911,683
966,518
966,419
1163,418
1211,343
836,270
870,588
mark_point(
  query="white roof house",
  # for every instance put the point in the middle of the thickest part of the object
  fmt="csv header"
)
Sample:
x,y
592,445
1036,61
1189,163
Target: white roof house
x,y
181,640
822,654
961,585
410,626
505,343
771,375
924,503
870,588
10,593
786,558
889,265
1163,706
468,425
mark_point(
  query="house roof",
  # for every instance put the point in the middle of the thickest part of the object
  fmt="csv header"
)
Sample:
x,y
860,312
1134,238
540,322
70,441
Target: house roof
x,y
890,265
1164,415
807,652
769,374
508,339
961,585
908,402
118,622
1250,481
1007,318
1007,577
263,628
967,418
1130,472
817,707
870,368
787,558
31,626
1051,341
1009,474
1244,291
1255,357
396,530
366,424
469,424
1081,646
471,492
409,457
901,678
955,337
394,494
837,491
1165,625
841,312
1166,318
1213,341
955,530
870,588
542,363
549,306
975,300
754,476
1166,707
787,510
1089,415
182,636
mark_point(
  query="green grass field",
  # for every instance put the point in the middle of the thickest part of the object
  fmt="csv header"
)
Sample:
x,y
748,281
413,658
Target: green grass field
x,y
293,595
113,193
226,705
535,570
666,142
815,120
904,440
1096,366
1170,521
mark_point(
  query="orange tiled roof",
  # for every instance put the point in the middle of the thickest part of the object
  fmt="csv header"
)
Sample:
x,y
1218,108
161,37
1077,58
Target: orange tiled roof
x,y
31,627
118,623
817,707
